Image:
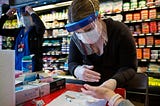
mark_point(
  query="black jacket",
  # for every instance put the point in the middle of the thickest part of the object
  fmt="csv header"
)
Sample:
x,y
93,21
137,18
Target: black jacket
x,y
119,60
35,38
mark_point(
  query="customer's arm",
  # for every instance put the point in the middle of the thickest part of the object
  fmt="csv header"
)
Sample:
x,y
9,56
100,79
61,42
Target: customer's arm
x,y
105,93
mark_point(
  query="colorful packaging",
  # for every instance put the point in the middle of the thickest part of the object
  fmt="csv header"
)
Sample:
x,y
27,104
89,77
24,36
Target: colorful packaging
x,y
150,2
142,4
144,14
145,28
142,41
153,27
126,6
136,16
158,25
134,5
27,64
157,42
150,40
152,14
146,53
129,17
139,53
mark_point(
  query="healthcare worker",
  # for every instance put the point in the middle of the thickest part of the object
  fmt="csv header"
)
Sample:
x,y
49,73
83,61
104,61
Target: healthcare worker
x,y
28,38
102,52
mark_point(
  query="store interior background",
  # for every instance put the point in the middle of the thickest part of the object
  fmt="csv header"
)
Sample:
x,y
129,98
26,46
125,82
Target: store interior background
x,y
141,16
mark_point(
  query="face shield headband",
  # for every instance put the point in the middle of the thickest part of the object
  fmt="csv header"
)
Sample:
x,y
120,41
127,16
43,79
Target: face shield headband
x,y
82,23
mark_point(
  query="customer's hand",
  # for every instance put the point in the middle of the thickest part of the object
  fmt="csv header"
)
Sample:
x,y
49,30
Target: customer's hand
x,y
85,73
29,9
11,12
111,84
98,92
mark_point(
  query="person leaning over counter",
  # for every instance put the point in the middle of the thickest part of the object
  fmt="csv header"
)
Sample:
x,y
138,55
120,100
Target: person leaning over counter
x,y
28,38
102,52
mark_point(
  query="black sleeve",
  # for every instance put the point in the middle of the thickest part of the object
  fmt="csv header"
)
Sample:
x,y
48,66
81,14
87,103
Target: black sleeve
x,y
2,21
127,56
40,28
75,57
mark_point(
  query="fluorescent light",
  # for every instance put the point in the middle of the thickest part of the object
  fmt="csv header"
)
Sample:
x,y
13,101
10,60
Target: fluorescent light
x,y
52,6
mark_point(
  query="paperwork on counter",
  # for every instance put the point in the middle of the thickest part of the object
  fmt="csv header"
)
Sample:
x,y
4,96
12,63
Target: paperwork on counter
x,y
72,98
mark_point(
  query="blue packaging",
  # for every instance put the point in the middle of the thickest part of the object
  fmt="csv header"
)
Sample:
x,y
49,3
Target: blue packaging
x,y
27,64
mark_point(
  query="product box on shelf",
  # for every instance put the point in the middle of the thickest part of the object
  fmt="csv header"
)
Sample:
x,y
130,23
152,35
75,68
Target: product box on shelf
x,y
142,41
146,53
157,42
139,53
145,28
150,40
144,14
153,27
152,14
136,16
25,93
129,17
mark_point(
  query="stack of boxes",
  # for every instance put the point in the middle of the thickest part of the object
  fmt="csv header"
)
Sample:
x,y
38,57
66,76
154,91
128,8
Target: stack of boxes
x,y
34,90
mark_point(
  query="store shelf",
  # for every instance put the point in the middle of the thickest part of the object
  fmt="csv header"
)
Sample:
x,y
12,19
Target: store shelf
x,y
148,34
51,45
142,8
149,60
148,46
140,21
57,36
111,14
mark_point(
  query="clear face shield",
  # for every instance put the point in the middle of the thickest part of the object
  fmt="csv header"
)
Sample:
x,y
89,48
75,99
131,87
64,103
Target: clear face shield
x,y
88,30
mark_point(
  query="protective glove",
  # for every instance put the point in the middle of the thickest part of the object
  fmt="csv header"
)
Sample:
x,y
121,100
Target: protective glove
x,y
85,73
111,84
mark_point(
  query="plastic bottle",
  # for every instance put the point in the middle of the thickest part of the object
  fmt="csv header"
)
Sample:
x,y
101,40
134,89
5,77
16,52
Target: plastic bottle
x,y
27,64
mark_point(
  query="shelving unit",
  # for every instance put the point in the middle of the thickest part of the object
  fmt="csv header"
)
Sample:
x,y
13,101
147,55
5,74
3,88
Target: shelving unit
x,y
56,39
143,20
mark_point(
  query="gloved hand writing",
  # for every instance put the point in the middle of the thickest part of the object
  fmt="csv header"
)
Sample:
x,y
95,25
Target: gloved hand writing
x,y
85,73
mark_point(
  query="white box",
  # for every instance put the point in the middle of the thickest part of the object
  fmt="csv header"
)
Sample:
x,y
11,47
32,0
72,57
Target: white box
x,y
44,88
27,93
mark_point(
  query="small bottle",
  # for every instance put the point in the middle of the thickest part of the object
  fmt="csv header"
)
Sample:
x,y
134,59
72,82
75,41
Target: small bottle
x,y
27,64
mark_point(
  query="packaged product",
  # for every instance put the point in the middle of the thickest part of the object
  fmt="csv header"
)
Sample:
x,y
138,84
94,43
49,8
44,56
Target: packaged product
x,y
139,53
145,28
126,6
146,53
152,14
150,40
153,27
144,14
142,4
136,16
129,17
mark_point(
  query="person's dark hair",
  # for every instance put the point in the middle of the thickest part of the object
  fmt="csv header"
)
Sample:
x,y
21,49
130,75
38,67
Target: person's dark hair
x,y
5,8
80,9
